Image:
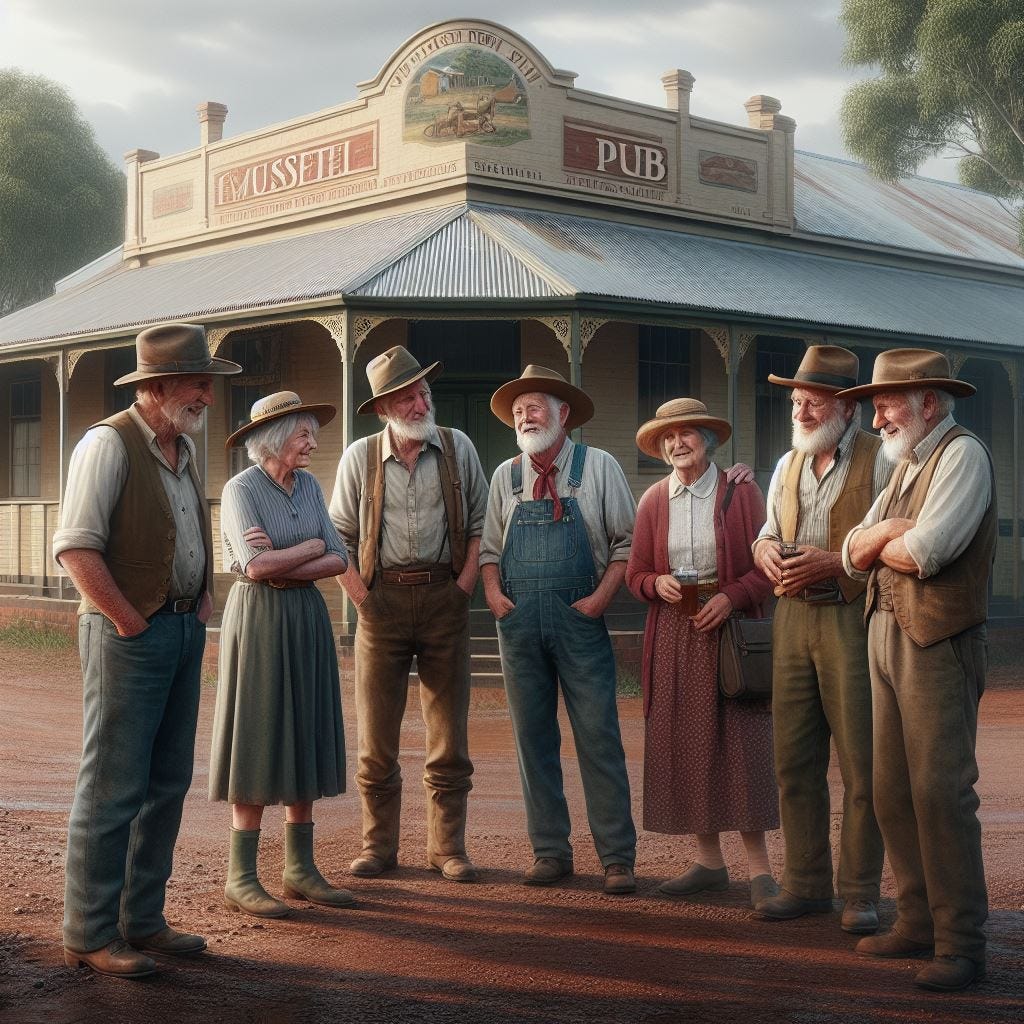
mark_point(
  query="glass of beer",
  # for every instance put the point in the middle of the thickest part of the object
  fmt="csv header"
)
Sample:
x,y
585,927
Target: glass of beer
x,y
687,580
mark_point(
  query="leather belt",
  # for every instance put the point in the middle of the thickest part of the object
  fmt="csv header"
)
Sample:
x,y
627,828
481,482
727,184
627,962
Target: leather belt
x,y
178,606
275,584
822,592
416,577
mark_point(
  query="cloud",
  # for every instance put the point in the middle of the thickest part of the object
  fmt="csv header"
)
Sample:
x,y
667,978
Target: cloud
x,y
138,70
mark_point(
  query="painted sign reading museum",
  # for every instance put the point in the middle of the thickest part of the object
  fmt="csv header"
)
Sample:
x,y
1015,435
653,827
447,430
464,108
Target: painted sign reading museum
x,y
315,164
593,149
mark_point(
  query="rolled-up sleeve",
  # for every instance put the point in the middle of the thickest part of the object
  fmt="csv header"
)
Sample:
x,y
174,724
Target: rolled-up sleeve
x,y
344,507
333,543
772,529
872,517
96,477
619,510
959,495
474,484
492,540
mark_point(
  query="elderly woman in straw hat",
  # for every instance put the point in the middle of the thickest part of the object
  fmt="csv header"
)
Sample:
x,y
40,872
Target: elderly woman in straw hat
x,y
277,733
707,761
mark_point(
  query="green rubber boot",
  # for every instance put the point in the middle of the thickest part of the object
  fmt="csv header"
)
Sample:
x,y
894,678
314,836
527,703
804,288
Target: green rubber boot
x,y
243,891
302,880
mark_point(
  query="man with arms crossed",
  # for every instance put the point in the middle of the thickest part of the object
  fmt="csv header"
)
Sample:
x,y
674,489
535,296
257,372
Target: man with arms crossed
x,y
926,548
821,686
135,540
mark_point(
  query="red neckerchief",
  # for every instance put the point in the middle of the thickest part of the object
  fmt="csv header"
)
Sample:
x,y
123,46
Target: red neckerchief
x,y
546,469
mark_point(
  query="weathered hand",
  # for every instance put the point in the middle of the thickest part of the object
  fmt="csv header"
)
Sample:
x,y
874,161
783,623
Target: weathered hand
x,y
256,537
713,614
809,566
741,473
590,606
499,604
768,558
668,589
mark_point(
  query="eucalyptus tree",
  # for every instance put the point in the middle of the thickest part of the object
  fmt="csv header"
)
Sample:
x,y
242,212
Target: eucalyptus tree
x,y
61,199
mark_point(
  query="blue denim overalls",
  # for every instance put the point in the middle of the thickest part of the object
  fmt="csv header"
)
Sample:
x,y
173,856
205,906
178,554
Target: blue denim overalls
x,y
546,565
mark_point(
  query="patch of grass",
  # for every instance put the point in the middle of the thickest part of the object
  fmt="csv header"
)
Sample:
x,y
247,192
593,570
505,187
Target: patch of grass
x,y
35,636
627,683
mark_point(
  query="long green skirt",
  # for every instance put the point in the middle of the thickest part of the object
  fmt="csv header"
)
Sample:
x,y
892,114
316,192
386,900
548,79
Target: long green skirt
x,y
277,730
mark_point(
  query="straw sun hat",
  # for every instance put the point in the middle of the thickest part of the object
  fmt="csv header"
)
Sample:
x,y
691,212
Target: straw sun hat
x,y
679,412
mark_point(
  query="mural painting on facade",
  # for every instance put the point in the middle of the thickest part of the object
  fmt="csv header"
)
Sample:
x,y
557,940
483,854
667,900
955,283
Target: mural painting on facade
x,y
467,92
727,171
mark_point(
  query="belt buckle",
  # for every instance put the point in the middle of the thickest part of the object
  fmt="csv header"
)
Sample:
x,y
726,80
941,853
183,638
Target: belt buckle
x,y
414,578
182,604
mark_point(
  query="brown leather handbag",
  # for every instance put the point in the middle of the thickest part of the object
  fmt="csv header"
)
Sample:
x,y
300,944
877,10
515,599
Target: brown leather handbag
x,y
745,659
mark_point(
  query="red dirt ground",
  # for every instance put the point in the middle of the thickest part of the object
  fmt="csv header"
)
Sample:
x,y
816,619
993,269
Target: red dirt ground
x,y
419,949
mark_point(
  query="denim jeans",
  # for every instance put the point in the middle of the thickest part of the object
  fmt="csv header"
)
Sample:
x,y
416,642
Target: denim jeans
x,y
546,565
141,701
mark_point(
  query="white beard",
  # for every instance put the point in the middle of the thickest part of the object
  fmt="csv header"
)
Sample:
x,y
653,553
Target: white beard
x,y
900,445
185,422
415,430
823,438
539,441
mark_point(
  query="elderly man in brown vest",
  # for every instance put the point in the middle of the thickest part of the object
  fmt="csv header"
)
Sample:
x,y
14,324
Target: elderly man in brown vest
x,y
926,547
409,503
135,539
822,690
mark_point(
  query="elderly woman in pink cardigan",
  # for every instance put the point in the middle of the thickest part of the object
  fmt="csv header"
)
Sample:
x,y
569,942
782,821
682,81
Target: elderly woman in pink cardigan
x,y
707,759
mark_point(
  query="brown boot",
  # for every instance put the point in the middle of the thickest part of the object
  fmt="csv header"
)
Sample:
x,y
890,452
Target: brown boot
x,y
382,818
116,960
446,835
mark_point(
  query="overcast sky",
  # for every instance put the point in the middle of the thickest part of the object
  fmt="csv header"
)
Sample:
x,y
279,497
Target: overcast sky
x,y
138,69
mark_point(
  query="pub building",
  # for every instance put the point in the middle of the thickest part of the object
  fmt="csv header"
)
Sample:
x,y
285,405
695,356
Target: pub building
x,y
475,205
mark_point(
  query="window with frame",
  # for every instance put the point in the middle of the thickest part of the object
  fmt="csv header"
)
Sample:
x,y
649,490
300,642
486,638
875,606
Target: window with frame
x,y
664,366
773,405
259,355
117,363
26,432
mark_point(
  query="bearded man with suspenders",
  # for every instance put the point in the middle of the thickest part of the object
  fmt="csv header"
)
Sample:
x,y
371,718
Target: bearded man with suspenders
x,y
409,503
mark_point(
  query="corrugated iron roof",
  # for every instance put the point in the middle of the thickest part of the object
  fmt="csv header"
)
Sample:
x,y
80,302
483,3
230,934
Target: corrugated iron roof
x,y
460,261
294,269
505,254
840,199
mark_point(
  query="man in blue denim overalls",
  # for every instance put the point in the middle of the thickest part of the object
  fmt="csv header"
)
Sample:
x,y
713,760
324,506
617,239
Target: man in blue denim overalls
x,y
554,549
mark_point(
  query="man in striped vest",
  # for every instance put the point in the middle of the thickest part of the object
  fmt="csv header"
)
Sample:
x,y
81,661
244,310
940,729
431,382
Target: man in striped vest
x,y
926,548
821,685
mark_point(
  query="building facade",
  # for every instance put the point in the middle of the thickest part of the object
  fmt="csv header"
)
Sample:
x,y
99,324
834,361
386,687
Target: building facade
x,y
475,205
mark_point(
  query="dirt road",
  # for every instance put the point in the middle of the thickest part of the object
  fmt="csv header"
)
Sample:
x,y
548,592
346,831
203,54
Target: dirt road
x,y
419,949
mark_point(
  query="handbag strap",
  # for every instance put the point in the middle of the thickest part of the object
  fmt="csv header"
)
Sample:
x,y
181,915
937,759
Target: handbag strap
x,y
727,500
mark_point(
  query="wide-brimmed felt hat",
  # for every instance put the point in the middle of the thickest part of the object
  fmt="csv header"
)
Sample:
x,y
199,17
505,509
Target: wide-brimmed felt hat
x,y
826,367
393,370
678,412
541,379
273,407
908,369
172,350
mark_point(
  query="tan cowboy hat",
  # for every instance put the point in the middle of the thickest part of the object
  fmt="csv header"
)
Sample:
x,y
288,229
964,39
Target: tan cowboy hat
x,y
826,367
541,379
907,369
273,407
393,370
174,349
678,412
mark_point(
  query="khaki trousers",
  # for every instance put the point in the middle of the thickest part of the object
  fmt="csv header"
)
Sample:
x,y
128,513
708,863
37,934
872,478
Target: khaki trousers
x,y
821,691
396,622
926,723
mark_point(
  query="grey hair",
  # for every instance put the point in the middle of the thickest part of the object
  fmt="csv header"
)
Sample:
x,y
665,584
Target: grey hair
x,y
386,401
268,441
944,401
711,443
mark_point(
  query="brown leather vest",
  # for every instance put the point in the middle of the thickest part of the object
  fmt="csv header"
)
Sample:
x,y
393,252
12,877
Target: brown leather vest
x,y
371,513
956,597
849,508
140,546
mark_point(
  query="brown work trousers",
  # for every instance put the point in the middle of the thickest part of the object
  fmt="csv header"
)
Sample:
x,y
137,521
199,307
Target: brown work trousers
x,y
431,622
925,725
